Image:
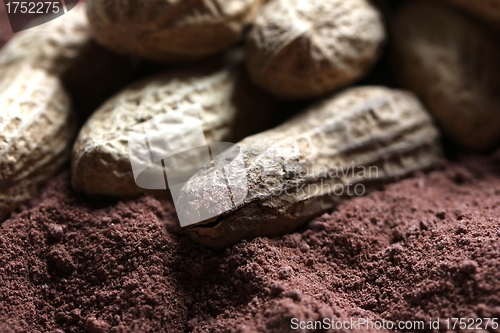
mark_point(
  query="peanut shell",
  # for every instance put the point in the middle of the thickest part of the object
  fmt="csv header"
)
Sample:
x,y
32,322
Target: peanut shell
x,y
52,46
170,31
64,47
36,129
302,49
297,170
453,65
230,109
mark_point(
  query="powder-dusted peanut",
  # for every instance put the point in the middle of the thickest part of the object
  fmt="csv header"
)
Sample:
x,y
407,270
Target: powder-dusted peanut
x,y
453,65
170,31
36,129
341,147
229,108
52,46
302,49
64,47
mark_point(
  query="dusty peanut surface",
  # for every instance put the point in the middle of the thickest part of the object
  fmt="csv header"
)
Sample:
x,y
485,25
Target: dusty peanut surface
x,y
36,129
228,106
52,46
361,128
64,47
170,31
304,49
452,65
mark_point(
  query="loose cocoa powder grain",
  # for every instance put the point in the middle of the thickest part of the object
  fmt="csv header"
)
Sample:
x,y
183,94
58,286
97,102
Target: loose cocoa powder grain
x,y
425,247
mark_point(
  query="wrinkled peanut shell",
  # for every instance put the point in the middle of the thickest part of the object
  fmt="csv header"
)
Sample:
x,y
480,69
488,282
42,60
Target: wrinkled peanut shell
x,y
36,128
170,31
295,171
230,107
303,49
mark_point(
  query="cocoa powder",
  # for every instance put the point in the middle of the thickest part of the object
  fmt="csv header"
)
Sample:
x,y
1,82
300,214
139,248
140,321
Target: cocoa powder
x,y
425,247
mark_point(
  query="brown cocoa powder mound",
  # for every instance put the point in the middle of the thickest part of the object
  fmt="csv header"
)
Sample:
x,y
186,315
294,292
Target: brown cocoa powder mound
x,y
425,247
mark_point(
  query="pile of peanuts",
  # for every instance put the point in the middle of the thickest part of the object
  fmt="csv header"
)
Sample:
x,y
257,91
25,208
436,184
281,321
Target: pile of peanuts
x,y
243,64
